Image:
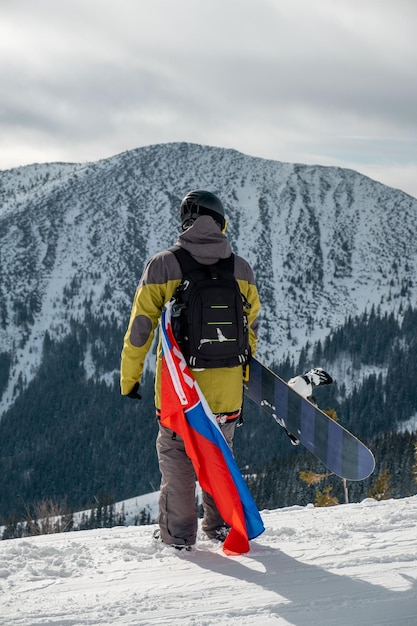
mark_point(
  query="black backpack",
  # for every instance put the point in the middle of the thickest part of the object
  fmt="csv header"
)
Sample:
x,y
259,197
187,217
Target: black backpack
x,y
209,318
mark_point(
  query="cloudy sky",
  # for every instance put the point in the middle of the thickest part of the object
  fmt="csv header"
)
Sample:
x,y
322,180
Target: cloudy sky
x,y
331,82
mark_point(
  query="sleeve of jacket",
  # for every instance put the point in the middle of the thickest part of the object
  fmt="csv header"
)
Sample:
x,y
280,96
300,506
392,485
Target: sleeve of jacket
x,y
253,299
151,295
245,277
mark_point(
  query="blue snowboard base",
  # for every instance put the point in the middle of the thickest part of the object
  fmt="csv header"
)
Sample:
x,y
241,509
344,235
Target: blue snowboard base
x,y
340,451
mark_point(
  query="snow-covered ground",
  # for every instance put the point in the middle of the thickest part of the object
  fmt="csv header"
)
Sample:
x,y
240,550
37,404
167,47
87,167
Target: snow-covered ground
x,y
350,564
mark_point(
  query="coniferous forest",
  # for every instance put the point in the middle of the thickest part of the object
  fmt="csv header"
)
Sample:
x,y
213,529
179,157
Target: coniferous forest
x,y
76,440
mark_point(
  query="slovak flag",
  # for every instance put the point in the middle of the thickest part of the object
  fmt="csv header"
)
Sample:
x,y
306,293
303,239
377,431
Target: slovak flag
x,y
185,411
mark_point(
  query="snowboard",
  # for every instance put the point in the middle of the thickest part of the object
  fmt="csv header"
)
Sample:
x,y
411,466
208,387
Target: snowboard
x,y
338,449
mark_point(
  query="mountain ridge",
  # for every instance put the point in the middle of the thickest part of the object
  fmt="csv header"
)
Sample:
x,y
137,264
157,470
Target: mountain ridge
x,y
325,243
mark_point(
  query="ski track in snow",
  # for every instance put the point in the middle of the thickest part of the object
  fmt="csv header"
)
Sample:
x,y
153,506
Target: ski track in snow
x,y
350,564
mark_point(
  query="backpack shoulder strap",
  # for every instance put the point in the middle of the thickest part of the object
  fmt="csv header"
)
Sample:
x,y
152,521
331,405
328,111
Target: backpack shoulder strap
x,y
184,258
188,263
227,264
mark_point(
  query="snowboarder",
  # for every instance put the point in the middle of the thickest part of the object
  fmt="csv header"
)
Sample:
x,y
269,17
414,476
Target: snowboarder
x,y
203,236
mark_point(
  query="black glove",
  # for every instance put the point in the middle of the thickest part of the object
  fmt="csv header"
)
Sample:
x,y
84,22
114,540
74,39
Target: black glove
x,y
134,392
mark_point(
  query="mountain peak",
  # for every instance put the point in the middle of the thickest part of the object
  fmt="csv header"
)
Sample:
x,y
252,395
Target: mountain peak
x,y
324,242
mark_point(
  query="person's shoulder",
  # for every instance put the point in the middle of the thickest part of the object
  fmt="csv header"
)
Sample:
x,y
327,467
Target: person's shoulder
x,y
161,267
243,270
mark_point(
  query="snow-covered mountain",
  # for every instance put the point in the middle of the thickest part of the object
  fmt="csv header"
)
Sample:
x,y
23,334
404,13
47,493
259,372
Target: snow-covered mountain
x,y
349,564
325,243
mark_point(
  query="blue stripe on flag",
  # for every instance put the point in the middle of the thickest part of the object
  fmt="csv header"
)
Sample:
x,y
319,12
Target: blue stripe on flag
x,y
201,423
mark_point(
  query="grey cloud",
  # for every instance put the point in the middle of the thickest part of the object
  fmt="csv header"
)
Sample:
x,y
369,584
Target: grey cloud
x,y
288,80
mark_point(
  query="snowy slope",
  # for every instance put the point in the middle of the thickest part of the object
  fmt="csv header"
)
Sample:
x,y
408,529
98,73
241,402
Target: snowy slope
x,y
325,242
351,564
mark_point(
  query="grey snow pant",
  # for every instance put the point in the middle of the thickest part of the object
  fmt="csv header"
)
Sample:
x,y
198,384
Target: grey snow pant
x,y
178,515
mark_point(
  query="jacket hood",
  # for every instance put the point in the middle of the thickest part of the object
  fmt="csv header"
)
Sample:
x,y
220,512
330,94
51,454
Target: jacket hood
x,y
204,241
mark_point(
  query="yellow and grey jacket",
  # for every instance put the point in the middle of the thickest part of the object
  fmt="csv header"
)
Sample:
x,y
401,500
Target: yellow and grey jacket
x,y
222,387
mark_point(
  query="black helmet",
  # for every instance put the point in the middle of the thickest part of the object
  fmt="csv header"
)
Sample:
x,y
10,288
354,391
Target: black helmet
x,y
201,202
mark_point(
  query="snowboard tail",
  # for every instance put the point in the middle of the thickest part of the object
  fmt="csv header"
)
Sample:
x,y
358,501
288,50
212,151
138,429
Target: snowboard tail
x,y
337,448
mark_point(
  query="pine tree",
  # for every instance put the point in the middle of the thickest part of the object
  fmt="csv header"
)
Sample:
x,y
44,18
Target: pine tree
x,y
323,498
312,478
382,488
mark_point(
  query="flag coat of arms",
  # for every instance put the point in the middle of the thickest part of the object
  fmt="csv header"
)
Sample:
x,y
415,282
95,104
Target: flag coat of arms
x,y
185,411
